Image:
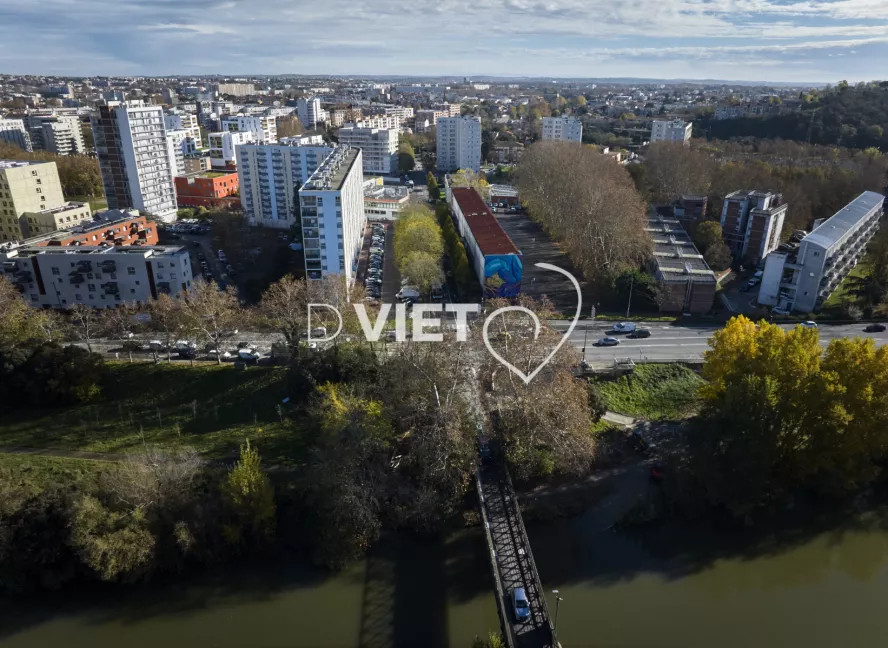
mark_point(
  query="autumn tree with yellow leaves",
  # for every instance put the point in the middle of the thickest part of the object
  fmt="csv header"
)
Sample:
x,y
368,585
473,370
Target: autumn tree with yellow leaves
x,y
781,414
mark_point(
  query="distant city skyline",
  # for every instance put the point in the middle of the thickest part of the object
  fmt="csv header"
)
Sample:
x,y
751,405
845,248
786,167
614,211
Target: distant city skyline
x,y
739,40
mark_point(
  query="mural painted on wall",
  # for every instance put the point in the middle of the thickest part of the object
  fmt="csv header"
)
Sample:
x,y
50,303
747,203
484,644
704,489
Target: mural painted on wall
x,y
502,275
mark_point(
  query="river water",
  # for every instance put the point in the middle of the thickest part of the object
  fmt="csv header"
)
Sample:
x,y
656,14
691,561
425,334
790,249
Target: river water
x,y
668,588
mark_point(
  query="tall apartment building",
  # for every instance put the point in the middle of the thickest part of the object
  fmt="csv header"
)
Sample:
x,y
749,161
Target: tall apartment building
x,y
379,148
675,130
177,145
134,158
459,143
569,129
224,145
332,213
236,89
801,276
26,187
752,222
13,131
184,121
58,134
270,176
264,129
309,111
102,276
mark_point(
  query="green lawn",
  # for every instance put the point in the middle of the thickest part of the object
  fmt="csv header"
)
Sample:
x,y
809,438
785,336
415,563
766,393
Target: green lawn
x,y
34,473
654,391
94,203
840,296
210,408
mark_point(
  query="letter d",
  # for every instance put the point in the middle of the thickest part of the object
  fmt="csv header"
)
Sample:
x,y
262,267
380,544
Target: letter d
x,y
309,327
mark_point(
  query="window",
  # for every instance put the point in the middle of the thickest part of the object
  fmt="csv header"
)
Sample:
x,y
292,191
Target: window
x,y
133,291
33,297
159,265
55,271
78,297
131,270
90,287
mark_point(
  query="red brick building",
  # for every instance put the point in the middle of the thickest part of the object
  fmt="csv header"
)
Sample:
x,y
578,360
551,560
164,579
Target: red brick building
x,y
208,189
108,228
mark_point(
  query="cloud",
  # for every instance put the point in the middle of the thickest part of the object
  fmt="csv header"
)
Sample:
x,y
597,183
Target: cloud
x,y
649,37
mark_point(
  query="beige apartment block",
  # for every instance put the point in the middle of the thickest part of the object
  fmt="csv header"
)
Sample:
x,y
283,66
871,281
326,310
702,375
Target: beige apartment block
x,y
57,218
26,186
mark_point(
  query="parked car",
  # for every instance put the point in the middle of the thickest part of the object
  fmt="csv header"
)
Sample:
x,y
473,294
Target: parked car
x,y
640,333
875,328
186,353
520,606
184,344
156,345
623,327
216,353
809,324
250,355
608,341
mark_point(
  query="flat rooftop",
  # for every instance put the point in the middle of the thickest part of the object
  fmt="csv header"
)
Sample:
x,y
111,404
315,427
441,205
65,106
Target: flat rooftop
x,y
98,250
333,170
14,164
488,233
393,194
675,255
62,208
845,220
506,191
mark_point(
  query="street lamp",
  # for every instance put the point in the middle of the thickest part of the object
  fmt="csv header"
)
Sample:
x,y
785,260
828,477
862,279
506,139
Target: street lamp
x,y
558,600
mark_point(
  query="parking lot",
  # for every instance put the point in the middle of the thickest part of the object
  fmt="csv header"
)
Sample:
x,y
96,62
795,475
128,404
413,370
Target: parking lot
x,y
537,247
374,269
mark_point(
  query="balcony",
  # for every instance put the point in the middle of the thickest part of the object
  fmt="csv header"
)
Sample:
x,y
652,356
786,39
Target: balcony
x,y
108,265
111,288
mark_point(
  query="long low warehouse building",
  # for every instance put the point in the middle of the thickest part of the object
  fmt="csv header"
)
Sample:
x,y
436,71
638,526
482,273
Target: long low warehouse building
x,y
496,260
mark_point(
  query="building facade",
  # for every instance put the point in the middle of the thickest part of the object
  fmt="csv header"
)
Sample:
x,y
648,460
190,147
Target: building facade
x,y
209,190
224,145
54,219
13,131
801,276
177,144
674,130
26,187
379,148
176,121
264,129
236,89
270,177
103,277
60,134
197,162
568,129
309,111
382,202
332,213
134,158
687,284
459,143
752,222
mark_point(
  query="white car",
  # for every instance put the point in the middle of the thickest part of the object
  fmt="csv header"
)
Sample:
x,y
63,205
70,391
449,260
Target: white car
x,y
184,345
809,324
248,354
214,353
623,327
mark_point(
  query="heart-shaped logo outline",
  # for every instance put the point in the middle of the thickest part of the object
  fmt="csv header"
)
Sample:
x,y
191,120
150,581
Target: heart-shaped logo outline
x,y
515,370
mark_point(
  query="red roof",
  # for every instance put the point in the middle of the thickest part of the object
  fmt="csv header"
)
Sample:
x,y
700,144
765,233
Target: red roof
x,y
486,230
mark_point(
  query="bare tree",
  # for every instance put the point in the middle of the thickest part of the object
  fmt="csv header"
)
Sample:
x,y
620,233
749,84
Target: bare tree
x,y
155,478
87,323
588,203
674,169
120,325
211,311
167,319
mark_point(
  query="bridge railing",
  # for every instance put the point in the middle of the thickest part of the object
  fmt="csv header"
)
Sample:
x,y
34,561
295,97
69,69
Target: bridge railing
x,y
505,626
529,553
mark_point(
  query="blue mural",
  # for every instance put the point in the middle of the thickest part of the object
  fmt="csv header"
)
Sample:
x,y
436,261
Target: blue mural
x,y
505,270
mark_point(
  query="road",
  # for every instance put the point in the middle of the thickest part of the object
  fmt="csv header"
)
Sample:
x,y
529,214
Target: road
x,y
676,342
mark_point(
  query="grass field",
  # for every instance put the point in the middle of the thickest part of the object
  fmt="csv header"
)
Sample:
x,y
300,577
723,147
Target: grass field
x,y
654,391
33,474
210,408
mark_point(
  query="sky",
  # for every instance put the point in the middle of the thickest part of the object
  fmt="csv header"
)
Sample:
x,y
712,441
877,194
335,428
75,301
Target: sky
x,y
744,40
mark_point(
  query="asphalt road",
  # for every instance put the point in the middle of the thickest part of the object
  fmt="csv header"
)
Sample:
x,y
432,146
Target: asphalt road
x,y
674,342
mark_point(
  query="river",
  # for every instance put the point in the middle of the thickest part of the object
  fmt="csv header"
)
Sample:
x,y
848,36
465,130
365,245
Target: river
x,y
669,588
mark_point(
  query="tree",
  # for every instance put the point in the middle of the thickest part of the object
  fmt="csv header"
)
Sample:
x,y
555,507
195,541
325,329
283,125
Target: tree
x,y
468,178
434,191
168,319
673,169
86,322
20,325
588,203
119,324
707,234
211,311
289,126
250,496
719,257
780,415
416,230
406,157
423,270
